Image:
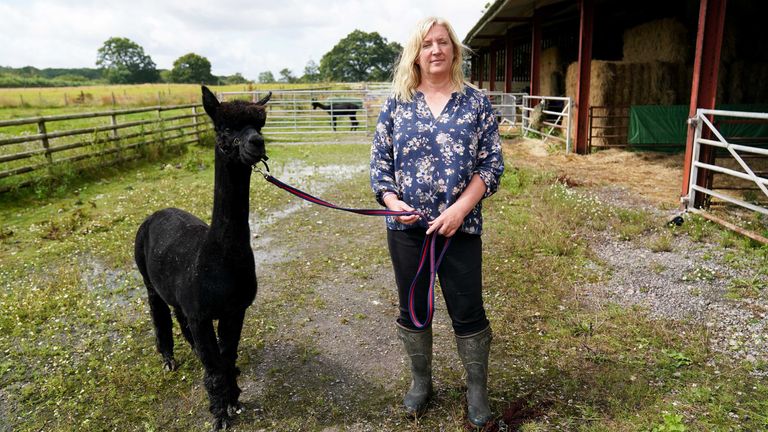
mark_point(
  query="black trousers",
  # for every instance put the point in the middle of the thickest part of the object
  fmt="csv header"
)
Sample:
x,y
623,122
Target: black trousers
x,y
460,278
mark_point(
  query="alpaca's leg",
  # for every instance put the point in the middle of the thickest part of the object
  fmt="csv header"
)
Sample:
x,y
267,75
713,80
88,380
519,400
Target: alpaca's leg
x,y
333,123
161,318
216,383
230,329
182,320
353,119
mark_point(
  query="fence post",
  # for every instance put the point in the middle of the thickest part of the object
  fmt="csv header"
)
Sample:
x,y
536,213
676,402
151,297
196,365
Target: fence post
x,y
42,131
568,128
115,136
194,122
160,129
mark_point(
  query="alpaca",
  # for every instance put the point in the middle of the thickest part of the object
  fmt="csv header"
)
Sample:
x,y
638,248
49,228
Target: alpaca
x,y
208,273
336,109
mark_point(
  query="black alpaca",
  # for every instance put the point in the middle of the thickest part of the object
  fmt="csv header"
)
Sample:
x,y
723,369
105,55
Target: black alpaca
x,y
208,273
336,109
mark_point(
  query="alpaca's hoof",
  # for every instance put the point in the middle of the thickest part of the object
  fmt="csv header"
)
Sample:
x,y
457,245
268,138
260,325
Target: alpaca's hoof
x,y
222,423
169,365
235,409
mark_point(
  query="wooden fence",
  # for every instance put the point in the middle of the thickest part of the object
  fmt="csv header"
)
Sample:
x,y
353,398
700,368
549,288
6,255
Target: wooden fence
x,y
39,147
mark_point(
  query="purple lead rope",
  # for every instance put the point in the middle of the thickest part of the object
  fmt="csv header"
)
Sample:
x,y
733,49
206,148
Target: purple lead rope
x,y
427,250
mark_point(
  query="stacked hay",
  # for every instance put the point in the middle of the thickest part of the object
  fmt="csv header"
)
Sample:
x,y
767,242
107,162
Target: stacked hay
x,y
664,40
653,72
551,73
618,85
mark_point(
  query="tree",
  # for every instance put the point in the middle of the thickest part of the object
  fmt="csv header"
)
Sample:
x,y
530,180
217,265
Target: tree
x,y
237,78
311,72
192,68
360,56
266,77
122,61
286,76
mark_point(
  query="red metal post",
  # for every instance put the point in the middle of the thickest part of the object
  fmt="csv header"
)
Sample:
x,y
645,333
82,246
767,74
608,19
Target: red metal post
x,y
587,13
709,40
535,53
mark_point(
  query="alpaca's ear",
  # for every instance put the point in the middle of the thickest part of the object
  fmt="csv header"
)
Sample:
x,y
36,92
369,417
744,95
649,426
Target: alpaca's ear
x,y
265,99
210,103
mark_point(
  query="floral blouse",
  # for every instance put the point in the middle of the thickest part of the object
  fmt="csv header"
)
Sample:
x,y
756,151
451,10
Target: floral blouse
x,y
428,161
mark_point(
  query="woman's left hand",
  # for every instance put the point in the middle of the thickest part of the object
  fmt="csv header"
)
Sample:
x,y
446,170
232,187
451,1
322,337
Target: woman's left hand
x,y
448,222
451,219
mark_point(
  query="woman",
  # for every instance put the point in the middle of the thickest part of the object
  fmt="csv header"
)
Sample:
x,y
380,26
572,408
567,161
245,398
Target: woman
x,y
436,150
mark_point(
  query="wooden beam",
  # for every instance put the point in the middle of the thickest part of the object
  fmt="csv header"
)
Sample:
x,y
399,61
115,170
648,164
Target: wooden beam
x,y
511,19
586,27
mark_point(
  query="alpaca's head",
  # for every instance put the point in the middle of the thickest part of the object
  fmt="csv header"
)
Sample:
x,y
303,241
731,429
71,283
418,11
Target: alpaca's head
x,y
238,127
315,104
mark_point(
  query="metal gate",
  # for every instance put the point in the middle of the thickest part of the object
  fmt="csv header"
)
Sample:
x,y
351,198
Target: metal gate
x,y
554,116
740,162
318,115
308,115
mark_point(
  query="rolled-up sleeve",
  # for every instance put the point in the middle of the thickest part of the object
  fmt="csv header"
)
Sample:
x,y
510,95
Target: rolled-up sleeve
x,y
490,161
382,153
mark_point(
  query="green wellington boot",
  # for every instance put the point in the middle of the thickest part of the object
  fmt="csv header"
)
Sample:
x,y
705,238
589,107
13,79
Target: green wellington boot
x,y
473,350
418,347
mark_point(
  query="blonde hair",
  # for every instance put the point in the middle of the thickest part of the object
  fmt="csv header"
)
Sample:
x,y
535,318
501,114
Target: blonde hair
x,y
407,73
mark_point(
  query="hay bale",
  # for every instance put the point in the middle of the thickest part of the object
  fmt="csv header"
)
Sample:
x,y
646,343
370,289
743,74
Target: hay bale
x,y
551,73
663,40
630,83
621,84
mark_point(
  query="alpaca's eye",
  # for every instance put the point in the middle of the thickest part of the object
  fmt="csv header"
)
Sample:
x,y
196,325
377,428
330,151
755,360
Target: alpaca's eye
x,y
237,141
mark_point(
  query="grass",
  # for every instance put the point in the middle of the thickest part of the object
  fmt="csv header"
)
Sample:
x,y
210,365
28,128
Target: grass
x,y
19,100
78,348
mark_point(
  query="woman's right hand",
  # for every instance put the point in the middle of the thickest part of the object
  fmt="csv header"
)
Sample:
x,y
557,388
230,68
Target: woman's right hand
x,y
393,203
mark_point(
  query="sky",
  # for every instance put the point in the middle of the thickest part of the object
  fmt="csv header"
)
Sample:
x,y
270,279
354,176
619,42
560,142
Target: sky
x,y
245,36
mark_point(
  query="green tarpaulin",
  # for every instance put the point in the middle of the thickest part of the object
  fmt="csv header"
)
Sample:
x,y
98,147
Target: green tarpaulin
x,y
651,125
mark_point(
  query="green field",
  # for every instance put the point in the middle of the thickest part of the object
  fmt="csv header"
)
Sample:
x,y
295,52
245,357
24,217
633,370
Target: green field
x,y
30,99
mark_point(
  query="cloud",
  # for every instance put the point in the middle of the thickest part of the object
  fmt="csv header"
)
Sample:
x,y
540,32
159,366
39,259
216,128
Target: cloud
x,y
246,36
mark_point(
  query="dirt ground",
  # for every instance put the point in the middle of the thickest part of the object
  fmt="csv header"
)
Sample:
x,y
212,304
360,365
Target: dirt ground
x,y
653,177
352,335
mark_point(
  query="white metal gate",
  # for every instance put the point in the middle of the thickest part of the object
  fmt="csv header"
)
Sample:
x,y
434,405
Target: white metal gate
x,y
317,115
741,169
555,116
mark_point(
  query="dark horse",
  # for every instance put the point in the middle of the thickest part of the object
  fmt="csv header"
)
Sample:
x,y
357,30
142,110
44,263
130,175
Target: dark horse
x,y
339,108
208,273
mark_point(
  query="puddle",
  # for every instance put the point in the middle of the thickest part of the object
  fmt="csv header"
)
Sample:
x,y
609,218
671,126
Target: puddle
x,y
115,289
312,179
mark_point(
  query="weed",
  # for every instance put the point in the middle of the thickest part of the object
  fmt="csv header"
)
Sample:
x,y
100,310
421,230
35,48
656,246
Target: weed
x,y
700,274
671,423
677,358
661,243
745,287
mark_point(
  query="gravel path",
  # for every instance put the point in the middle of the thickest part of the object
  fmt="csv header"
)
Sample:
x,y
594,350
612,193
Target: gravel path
x,y
697,282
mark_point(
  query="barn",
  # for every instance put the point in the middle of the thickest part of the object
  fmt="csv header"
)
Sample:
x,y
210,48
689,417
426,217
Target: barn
x,y
680,75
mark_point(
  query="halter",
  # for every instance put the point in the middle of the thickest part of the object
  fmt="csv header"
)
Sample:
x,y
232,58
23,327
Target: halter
x,y
427,249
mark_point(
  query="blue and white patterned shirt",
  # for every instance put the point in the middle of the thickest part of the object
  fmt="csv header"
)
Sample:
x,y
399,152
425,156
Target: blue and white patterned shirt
x,y
428,161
